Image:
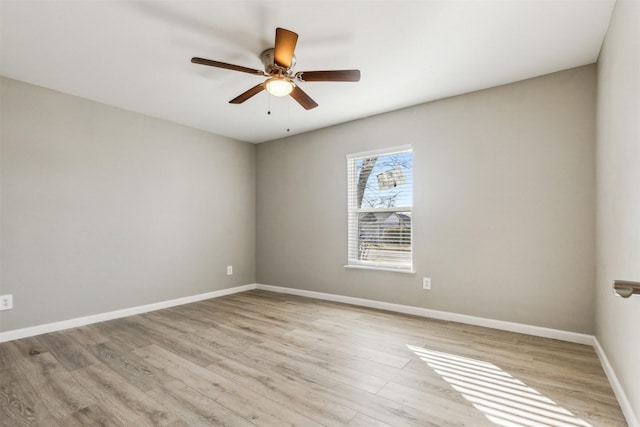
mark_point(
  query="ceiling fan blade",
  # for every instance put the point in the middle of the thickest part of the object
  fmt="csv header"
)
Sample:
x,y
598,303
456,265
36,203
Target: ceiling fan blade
x,y
219,64
248,94
329,76
303,99
285,45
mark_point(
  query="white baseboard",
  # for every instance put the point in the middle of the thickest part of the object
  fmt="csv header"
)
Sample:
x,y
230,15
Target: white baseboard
x,y
441,315
625,405
417,311
87,320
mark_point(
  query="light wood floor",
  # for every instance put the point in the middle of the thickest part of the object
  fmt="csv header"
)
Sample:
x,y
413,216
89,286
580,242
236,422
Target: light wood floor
x,y
261,358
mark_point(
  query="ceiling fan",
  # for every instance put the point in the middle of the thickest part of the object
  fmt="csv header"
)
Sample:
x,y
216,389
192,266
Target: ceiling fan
x,y
278,67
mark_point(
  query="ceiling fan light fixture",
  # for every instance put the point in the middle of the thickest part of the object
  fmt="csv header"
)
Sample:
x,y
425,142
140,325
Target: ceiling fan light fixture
x,y
278,86
282,80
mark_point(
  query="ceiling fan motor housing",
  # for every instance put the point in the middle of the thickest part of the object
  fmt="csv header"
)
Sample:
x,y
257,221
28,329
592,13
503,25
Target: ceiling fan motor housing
x,y
270,67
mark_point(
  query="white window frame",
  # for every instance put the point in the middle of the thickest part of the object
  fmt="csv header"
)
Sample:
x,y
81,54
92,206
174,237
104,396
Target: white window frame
x,y
353,211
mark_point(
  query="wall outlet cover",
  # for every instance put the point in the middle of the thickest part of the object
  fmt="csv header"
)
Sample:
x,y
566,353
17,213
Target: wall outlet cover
x,y
6,302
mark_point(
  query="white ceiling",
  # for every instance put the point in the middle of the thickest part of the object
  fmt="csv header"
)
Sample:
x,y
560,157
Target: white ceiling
x,y
136,54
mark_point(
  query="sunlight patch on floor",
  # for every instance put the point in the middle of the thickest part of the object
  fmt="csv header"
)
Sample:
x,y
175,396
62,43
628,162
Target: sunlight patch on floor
x,y
503,399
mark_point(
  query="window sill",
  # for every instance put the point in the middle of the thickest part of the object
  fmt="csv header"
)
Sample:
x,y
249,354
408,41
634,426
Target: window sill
x,y
371,267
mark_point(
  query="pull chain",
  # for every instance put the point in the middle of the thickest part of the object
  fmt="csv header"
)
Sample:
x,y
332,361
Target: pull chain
x,y
288,114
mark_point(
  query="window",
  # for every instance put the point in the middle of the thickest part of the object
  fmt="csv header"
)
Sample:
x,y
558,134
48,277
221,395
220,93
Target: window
x,y
380,204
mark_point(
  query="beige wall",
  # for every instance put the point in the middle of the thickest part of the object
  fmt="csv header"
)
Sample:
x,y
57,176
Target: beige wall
x,y
504,204
104,209
618,153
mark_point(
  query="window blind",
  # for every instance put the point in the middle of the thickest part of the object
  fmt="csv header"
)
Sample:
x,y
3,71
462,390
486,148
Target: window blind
x,y
380,208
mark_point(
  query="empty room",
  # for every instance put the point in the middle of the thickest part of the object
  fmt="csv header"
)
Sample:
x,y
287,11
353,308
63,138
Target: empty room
x,y
320,213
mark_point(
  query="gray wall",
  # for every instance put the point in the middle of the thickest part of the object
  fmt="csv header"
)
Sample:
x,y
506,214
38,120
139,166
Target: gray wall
x,y
618,320
104,209
504,204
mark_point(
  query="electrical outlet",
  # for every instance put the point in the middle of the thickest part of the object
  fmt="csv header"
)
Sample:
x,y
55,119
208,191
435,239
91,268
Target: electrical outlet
x,y
426,283
229,270
6,302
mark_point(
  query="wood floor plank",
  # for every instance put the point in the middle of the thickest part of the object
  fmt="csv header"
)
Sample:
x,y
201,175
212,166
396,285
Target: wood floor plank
x,y
130,366
354,348
190,317
6,357
264,310
244,402
285,392
70,354
194,407
122,332
169,322
19,404
87,336
222,347
361,401
215,325
435,405
12,351
271,359
395,344
360,420
281,355
121,401
54,385
92,415
175,343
